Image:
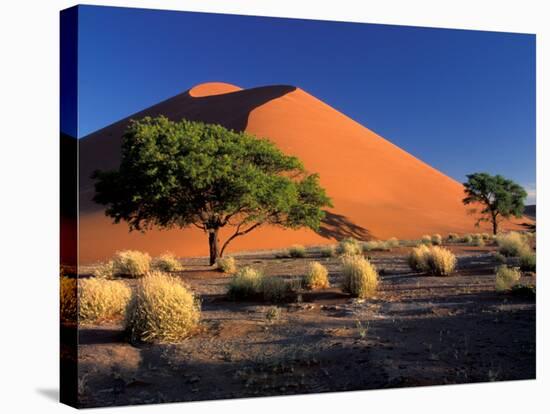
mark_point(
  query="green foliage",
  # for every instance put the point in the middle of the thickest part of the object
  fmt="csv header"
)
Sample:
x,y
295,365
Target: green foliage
x,y
177,174
297,251
500,197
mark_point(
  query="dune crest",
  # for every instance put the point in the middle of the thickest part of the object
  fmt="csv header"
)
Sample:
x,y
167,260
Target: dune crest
x,y
212,88
378,189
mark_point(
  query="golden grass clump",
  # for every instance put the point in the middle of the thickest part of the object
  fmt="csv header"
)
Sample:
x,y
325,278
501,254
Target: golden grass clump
x,y
316,277
131,263
245,283
226,264
349,247
506,278
528,261
454,237
162,309
297,251
434,260
328,251
275,289
360,277
167,262
426,239
101,299
512,244
467,238
441,261
418,258
104,270
437,239
392,242
486,236
376,245
68,299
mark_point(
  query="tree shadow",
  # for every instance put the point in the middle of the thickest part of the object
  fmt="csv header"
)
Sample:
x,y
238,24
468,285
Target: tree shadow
x,y
337,226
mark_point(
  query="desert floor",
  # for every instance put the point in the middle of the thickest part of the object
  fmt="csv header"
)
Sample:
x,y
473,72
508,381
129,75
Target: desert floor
x,y
419,330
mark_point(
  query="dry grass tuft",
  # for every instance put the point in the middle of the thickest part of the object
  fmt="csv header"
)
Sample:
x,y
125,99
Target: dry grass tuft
x,y
376,245
434,260
245,284
131,263
418,258
102,299
163,309
441,261
426,239
68,299
392,242
328,251
349,247
316,277
512,244
454,237
297,251
104,270
437,239
528,261
360,277
167,262
506,278
226,264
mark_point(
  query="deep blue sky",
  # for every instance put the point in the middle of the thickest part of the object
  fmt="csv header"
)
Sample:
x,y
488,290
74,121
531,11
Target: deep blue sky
x,y
462,101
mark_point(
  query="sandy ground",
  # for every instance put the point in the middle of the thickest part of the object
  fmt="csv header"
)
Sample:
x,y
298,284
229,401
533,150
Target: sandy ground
x,y
419,330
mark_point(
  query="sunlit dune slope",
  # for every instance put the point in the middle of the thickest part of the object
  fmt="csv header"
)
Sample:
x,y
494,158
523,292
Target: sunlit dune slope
x,y
378,190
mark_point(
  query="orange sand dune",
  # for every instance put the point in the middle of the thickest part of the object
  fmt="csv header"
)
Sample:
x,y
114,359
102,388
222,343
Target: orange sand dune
x,y
378,190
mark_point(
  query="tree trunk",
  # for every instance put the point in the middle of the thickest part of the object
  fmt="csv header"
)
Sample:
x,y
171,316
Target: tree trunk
x,y
495,225
213,243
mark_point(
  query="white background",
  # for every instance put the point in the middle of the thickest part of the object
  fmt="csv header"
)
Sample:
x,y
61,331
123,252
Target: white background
x,y
29,193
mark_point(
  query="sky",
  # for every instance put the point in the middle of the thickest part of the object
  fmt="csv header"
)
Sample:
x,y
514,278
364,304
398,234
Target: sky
x,y
461,101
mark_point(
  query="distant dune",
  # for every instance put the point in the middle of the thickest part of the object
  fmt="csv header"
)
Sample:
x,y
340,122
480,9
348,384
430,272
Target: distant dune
x,y
378,190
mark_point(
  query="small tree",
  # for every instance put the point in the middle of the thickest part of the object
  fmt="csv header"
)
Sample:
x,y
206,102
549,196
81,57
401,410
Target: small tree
x,y
180,174
499,197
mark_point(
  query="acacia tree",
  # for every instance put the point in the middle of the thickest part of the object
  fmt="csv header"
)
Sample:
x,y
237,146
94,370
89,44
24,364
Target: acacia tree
x,y
180,174
499,197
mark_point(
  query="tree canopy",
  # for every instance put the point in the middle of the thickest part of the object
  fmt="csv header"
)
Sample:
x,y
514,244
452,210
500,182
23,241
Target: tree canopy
x,y
180,174
499,197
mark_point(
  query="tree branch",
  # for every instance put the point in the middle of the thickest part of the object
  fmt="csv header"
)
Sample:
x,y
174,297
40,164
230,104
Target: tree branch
x,y
237,234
